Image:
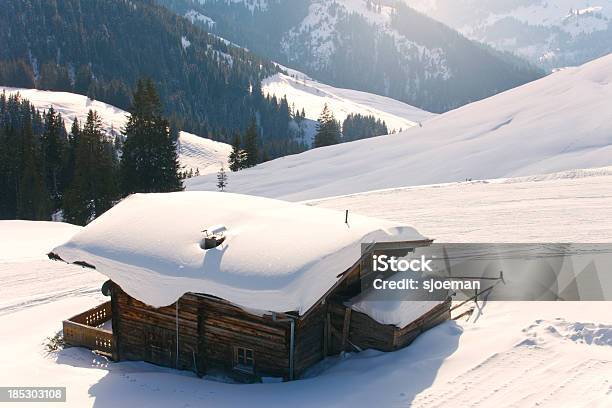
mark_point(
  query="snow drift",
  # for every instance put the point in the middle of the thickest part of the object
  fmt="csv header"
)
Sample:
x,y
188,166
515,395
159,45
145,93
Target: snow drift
x,y
277,256
556,123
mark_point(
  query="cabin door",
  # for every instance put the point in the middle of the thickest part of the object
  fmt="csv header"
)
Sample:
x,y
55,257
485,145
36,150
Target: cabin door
x,y
161,346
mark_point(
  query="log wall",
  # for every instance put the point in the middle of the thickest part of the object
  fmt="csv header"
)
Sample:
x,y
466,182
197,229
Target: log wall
x,y
209,329
222,327
309,346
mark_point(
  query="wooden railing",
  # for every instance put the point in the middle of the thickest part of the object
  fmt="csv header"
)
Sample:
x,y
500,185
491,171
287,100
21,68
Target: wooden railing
x,y
81,330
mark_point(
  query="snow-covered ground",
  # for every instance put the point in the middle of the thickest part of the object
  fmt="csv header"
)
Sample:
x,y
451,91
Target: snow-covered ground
x,y
312,95
194,152
547,354
571,206
557,123
205,155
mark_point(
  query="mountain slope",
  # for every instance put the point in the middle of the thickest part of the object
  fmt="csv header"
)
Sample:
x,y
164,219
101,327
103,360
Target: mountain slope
x,y
102,48
310,95
550,33
386,49
559,122
195,153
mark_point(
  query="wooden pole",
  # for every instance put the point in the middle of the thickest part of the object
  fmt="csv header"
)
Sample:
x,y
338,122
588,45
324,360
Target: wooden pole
x,y
346,327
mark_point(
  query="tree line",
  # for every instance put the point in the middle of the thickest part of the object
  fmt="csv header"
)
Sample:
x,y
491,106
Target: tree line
x,y
48,172
354,127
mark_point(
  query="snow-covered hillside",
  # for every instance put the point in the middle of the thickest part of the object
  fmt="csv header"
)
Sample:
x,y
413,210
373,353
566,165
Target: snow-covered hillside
x,y
552,33
557,123
545,354
310,95
194,152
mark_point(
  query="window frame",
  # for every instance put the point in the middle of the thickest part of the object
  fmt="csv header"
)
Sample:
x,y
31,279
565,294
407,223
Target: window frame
x,y
244,359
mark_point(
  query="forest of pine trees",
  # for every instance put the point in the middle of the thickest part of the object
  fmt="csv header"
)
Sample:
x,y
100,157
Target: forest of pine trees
x,y
357,126
46,171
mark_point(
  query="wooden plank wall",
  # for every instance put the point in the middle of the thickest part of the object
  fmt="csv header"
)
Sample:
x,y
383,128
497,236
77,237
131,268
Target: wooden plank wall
x,y
406,335
223,326
309,340
363,331
209,330
145,333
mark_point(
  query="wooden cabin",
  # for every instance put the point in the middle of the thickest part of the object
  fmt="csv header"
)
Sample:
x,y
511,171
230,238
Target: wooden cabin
x,y
209,331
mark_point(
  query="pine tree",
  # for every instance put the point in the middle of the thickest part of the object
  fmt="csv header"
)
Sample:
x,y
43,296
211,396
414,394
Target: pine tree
x,y
250,145
237,155
32,197
54,145
149,162
221,179
328,129
93,188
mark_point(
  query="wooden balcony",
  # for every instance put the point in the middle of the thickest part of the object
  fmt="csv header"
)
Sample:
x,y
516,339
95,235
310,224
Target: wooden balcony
x,y
91,329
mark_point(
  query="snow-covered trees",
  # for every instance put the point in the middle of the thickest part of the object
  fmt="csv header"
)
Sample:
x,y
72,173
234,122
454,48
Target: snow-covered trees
x,y
328,129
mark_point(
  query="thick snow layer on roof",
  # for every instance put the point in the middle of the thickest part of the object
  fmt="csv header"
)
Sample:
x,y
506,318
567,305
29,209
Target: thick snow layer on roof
x,y
277,256
399,313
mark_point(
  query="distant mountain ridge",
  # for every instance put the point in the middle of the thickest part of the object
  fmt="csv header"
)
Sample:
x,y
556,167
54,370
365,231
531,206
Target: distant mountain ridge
x,y
382,47
550,33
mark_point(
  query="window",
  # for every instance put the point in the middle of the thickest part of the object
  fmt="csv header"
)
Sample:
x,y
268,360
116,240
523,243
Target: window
x,y
244,359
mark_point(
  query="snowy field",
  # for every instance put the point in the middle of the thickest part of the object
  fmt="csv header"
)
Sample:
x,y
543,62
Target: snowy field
x,y
507,354
572,206
194,152
557,123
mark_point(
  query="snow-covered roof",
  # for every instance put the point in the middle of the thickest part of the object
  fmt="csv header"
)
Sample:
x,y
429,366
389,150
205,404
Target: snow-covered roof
x,y
398,312
277,256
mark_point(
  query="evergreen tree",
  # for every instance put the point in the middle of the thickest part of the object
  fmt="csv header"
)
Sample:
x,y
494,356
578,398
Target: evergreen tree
x,y
149,162
250,145
221,179
237,155
328,129
32,202
93,188
54,145
357,126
